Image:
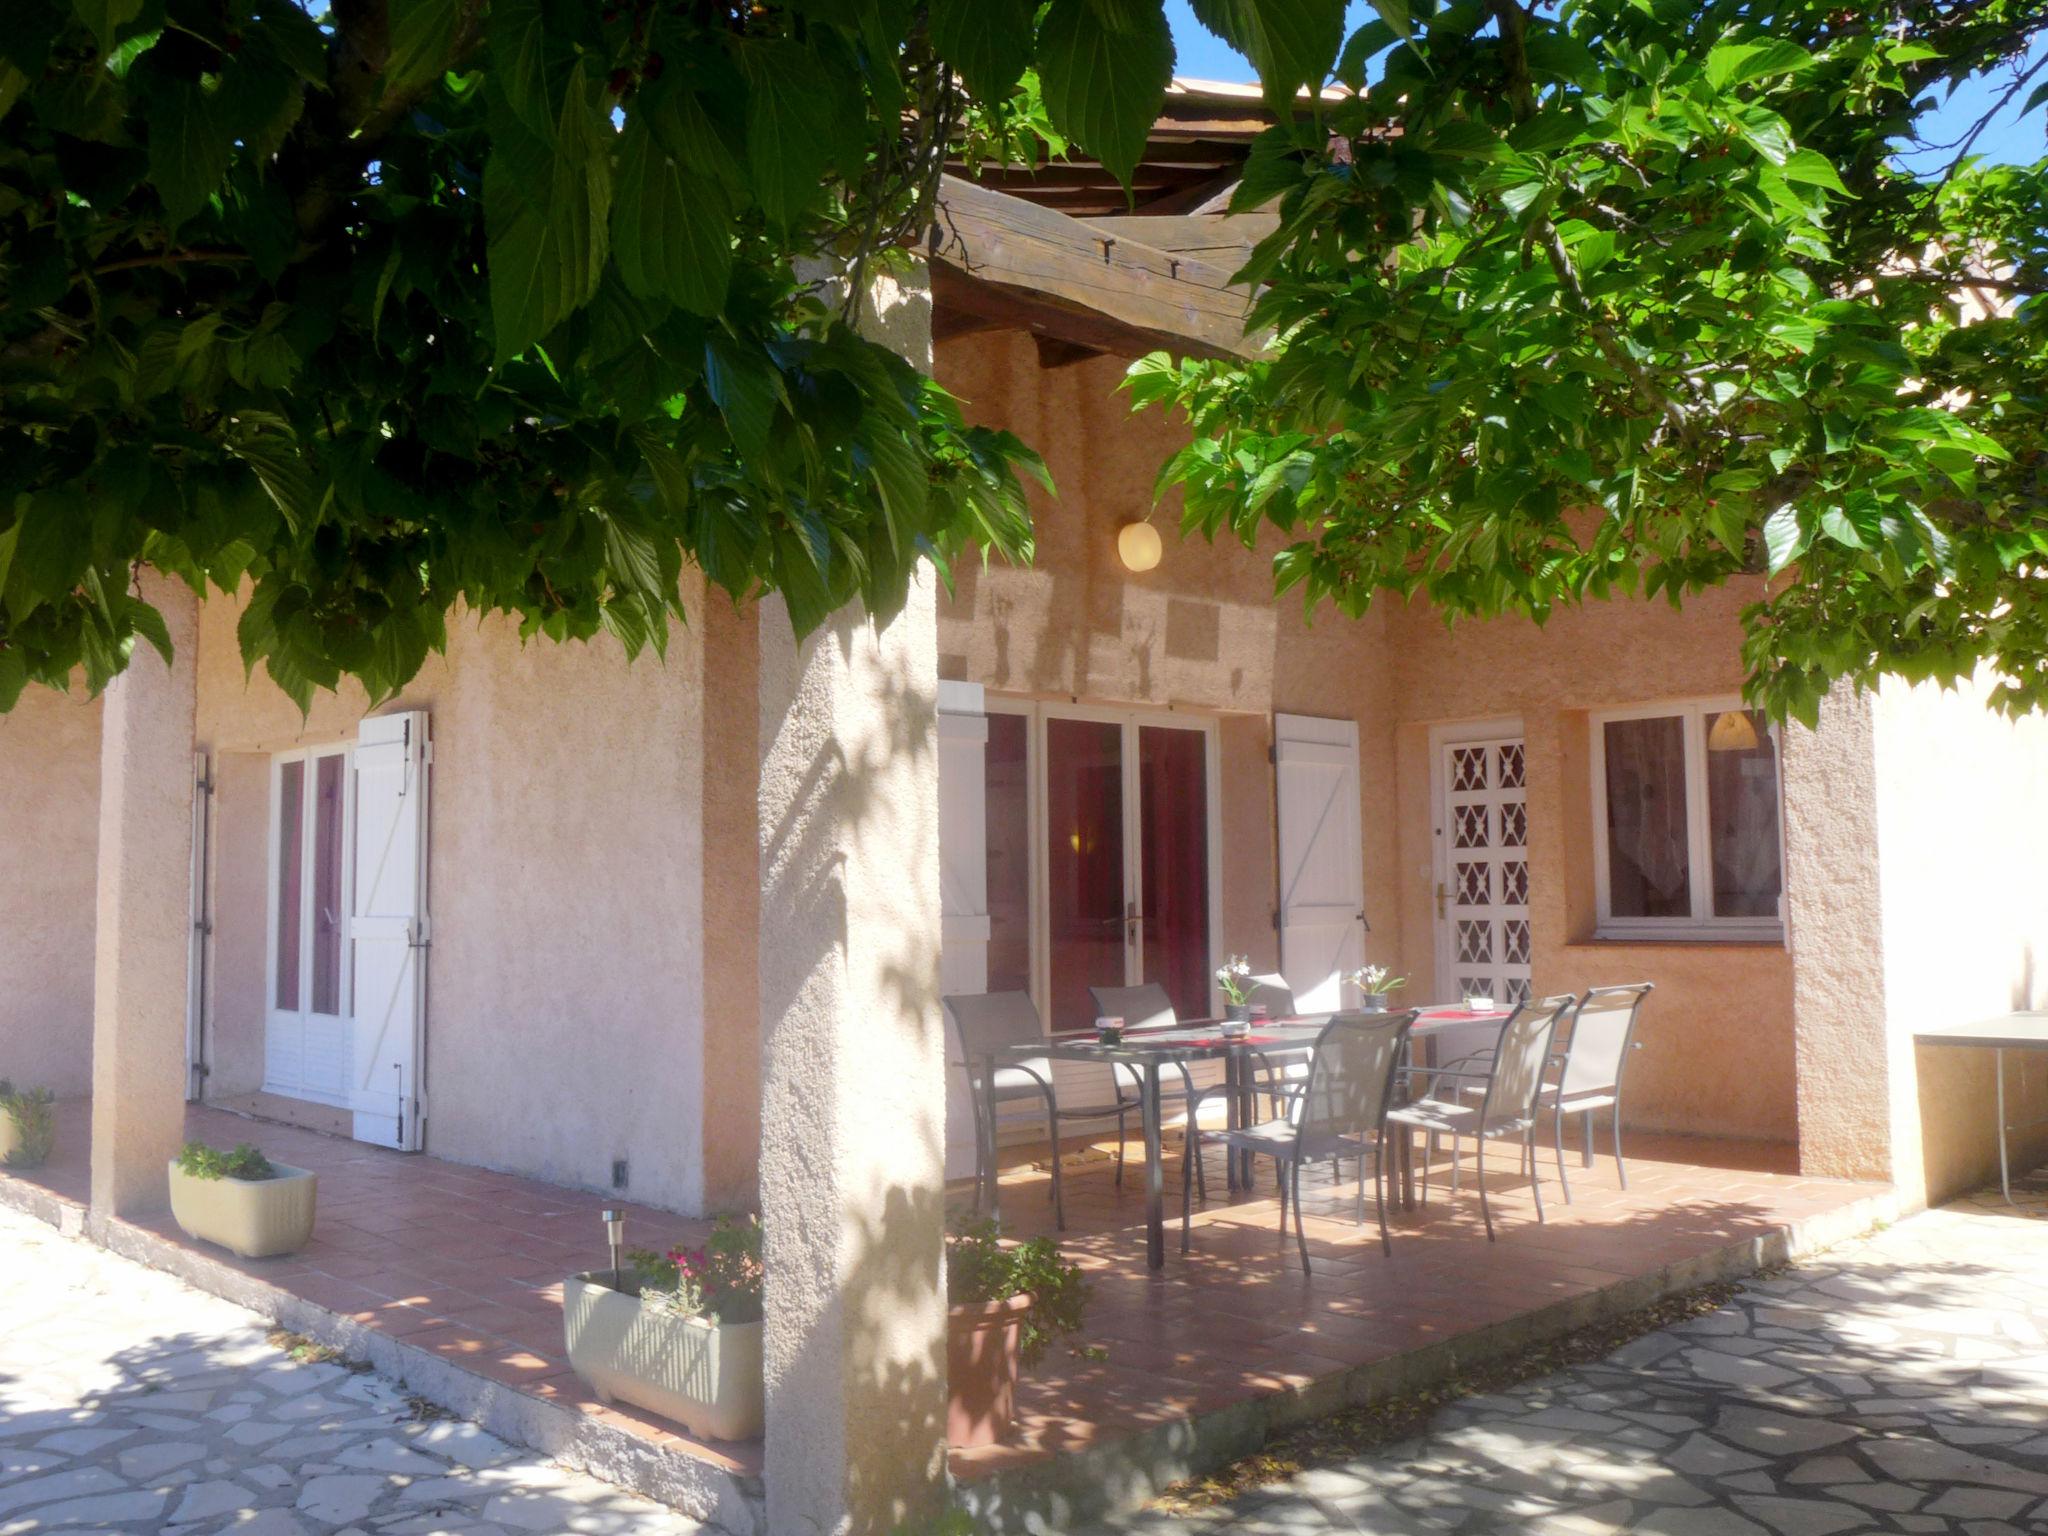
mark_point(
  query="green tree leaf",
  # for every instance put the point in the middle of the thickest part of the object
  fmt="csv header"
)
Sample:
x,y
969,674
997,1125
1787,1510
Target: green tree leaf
x,y
189,147
672,229
988,41
792,128
1292,43
1104,66
106,18
546,207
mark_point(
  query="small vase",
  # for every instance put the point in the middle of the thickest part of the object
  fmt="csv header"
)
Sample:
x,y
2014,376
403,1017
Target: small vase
x,y
1374,1002
1238,1013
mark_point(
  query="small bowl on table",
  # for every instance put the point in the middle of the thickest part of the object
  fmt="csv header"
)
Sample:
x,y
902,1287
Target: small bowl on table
x,y
1479,1004
1235,1029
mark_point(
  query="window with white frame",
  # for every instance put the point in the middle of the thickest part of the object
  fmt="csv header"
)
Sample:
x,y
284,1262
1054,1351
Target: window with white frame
x,y
1686,825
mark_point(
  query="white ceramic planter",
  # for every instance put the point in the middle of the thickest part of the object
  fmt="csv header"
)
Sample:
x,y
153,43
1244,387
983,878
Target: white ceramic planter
x,y
255,1218
704,1375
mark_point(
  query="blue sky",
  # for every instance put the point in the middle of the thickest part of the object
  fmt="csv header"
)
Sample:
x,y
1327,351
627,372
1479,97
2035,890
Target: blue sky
x,y
2011,138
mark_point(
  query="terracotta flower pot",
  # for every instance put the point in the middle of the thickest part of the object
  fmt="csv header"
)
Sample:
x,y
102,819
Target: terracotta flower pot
x,y
982,1340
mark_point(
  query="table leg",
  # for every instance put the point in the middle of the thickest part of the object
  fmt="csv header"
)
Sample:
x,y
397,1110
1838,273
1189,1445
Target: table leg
x,y
995,1183
2004,1163
1233,1102
1155,1219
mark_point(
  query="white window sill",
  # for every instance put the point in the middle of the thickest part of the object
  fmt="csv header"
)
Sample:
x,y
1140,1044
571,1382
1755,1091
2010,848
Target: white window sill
x,y
1689,935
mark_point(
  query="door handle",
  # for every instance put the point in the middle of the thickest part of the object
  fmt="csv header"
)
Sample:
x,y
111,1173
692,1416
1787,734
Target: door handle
x,y
1443,895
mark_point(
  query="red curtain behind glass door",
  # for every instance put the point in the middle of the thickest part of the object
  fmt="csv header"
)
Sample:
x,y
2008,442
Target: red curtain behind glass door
x,y
1173,814
1084,864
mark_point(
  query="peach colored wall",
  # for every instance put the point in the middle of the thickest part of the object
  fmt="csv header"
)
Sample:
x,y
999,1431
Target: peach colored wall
x,y
49,843
1717,1035
1848,1083
1963,874
1200,632
1203,631
732,902
565,980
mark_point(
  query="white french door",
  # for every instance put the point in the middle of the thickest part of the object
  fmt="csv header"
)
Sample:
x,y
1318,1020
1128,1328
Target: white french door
x,y
1128,834
1482,885
308,1041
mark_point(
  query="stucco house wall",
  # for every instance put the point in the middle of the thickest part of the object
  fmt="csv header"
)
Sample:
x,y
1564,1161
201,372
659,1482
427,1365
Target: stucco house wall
x,y
1201,631
1717,1035
1962,845
49,845
565,1017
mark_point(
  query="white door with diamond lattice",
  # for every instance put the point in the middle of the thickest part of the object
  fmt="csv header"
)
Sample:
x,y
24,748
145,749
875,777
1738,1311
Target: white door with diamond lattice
x,y
1482,893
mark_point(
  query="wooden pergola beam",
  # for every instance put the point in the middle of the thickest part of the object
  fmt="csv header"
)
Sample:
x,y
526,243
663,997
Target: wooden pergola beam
x,y
1010,262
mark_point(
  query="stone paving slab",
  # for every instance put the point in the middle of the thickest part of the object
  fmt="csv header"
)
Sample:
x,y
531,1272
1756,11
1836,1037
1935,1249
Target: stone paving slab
x,y
130,1401
1898,1385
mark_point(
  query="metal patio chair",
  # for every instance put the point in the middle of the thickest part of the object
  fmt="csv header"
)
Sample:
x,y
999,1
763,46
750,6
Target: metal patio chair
x,y
1513,1085
1590,1068
985,1023
1341,1112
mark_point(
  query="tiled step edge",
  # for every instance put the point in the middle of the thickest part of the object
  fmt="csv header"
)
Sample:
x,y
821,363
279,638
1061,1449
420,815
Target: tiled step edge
x,y
728,1501
1068,1492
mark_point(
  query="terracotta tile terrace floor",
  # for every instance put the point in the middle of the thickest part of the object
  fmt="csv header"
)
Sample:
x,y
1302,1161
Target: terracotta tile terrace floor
x,y
469,1263
457,1260
1236,1318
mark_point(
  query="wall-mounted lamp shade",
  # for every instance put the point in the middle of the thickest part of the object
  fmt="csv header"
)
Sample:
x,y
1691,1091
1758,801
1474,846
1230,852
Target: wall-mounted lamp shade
x,y
1732,731
1138,546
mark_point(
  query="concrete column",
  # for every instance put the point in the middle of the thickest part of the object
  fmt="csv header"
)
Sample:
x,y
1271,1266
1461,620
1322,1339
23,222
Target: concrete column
x,y
853,1104
1835,923
143,942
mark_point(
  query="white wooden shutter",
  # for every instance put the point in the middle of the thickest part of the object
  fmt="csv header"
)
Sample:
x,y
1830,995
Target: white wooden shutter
x,y
1322,860
963,838
388,929
963,884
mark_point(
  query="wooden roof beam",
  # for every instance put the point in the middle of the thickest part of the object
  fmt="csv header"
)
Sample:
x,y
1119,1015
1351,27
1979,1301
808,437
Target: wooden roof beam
x,y
1066,278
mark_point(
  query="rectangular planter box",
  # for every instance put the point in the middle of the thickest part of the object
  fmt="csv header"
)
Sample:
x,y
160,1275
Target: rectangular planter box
x,y
255,1218
706,1376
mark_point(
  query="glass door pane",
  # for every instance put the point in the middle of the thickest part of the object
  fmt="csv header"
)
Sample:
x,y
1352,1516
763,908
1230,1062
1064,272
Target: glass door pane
x,y
1173,827
1084,865
1007,827
291,822
328,822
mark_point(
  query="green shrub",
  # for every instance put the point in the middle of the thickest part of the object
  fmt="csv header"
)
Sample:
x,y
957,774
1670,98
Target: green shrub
x,y
34,1125
980,1268
244,1162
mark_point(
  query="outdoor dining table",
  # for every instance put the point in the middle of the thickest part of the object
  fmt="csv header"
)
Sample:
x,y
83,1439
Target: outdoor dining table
x,y
1148,1052
2026,1030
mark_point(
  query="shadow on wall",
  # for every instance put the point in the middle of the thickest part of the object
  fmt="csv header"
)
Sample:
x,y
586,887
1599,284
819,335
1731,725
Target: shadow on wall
x,y
871,1291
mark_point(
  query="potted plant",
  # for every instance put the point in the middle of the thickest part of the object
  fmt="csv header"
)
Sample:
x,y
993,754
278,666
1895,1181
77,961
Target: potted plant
x,y
27,1126
1375,985
1008,1303
1234,977
678,1334
242,1200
